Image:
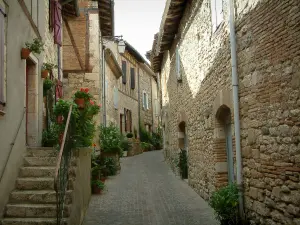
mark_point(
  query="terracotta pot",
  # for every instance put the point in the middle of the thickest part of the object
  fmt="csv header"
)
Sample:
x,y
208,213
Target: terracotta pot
x,y
80,102
96,190
60,119
45,73
25,52
103,179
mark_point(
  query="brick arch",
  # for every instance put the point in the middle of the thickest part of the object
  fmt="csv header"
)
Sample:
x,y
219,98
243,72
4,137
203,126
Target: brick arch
x,y
223,147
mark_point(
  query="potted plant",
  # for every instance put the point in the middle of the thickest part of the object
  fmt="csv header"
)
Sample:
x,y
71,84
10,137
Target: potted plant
x,y
93,109
97,186
50,137
61,110
225,204
125,146
81,97
47,85
46,68
129,135
36,47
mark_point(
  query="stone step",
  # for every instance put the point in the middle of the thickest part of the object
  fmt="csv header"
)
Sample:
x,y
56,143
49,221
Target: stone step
x,y
34,183
37,171
33,210
31,221
37,196
41,152
40,161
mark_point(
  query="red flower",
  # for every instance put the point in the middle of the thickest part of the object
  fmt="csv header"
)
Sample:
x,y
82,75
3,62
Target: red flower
x,y
82,89
92,102
86,90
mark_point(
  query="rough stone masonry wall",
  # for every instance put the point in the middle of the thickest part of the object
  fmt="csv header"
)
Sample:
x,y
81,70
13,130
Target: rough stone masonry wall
x,y
145,85
268,68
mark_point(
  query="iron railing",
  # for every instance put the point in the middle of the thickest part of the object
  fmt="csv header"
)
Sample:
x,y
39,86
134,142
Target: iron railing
x,y
64,158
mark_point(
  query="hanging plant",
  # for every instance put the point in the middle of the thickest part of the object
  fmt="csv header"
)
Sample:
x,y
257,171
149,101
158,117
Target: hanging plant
x,y
47,85
46,68
81,97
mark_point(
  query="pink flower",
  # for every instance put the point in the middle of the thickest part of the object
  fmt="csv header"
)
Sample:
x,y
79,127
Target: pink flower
x,y
92,102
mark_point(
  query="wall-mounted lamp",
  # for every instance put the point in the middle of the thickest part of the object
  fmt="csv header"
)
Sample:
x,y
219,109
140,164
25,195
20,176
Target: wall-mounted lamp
x,y
121,42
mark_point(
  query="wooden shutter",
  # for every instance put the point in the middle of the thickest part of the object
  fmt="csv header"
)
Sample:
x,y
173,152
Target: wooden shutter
x,y
177,58
130,121
124,69
2,55
51,14
57,22
125,119
132,78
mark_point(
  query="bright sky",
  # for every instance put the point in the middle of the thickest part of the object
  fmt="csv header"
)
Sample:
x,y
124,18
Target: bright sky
x,y
138,21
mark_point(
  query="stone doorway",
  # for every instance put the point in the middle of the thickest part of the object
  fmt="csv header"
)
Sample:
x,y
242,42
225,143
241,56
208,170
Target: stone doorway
x,y
223,147
31,102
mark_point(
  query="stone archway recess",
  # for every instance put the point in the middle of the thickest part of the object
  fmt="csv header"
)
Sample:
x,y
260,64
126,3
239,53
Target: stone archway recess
x,y
32,125
182,120
223,154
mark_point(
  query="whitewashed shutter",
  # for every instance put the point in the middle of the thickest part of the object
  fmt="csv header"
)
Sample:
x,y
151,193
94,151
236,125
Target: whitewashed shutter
x,y
116,98
147,97
157,111
219,12
177,58
213,15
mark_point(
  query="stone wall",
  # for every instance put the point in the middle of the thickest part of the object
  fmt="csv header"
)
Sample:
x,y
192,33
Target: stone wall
x,y
268,65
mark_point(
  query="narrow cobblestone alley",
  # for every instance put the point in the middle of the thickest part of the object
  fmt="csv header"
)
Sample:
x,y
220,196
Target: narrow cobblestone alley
x,y
147,192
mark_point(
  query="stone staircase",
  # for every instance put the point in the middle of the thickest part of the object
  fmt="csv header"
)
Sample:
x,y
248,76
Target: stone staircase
x,y
33,202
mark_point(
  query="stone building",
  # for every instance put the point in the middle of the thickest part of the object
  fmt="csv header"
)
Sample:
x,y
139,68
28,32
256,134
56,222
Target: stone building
x,y
191,54
130,89
21,85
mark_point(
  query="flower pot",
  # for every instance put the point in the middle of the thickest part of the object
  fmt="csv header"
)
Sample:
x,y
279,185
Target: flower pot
x,y
45,73
103,179
25,52
124,153
60,119
80,102
96,190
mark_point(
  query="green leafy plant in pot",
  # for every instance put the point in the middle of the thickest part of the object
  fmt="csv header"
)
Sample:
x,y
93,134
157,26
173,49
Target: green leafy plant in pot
x,y
50,137
37,46
61,110
110,139
46,68
225,204
129,135
97,186
125,145
47,85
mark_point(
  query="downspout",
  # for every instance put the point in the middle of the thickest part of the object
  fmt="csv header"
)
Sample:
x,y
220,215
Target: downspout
x,y
100,53
139,102
152,102
103,86
235,90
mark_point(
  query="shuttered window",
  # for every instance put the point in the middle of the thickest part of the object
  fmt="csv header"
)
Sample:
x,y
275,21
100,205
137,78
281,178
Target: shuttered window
x,y
216,13
2,58
177,58
124,70
132,78
57,23
116,98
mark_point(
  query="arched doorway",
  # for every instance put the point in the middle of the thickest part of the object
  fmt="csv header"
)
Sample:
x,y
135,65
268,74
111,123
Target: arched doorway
x,y
223,146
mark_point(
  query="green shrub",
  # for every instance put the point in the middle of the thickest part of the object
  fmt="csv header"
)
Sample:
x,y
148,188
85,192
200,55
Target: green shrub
x,y
125,145
47,85
111,166
156,140
145,135
129,135
182,164
50,137
110,139
225,204
98,183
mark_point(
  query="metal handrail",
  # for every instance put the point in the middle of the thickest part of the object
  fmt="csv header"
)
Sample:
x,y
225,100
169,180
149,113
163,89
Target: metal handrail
x,y
61,170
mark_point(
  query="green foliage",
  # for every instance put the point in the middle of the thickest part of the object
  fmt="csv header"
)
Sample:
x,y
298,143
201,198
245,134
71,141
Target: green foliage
x,y
156,140
111,166
83,93
49,66
225,204
129,135
47,85
98,183
182,164
62,108
85,131
145,135
93,108
50,137
110,138
125,145
37,46
146,146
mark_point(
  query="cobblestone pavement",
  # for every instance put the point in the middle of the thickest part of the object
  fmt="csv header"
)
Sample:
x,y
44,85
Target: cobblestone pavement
x,y
147,192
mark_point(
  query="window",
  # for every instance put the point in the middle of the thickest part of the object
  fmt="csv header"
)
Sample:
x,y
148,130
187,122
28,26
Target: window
x,y
2,58
145,101
132,78
128,120
124,69
177,59
216,13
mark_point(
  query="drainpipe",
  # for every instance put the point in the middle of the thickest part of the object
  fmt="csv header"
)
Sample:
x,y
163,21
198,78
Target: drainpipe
x,y
235,90
152,102
139,103
103,86
100,53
